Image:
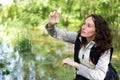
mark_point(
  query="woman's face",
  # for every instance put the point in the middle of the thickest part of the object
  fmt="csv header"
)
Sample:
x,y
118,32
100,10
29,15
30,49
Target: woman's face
x,y
88,28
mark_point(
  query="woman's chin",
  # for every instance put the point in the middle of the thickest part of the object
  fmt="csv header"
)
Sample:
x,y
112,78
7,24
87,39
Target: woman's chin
x,y
83,35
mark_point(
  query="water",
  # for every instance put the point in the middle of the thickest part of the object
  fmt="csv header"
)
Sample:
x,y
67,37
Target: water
x,y
9,61
31,65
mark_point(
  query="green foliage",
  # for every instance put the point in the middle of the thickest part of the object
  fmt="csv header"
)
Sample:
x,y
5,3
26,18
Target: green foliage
x,y
3,64
30,15
24,45
6,72
0,8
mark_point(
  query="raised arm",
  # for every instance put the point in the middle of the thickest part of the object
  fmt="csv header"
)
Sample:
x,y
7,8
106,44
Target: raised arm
x,y
59,34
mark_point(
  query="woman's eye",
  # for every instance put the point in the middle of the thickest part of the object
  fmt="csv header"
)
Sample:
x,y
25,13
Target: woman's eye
x,y
88,25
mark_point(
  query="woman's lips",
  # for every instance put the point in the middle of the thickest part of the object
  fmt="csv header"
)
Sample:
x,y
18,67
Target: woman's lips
x,y
82,31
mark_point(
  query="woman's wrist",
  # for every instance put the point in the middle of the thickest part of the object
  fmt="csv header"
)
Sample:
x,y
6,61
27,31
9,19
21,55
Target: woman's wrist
x,y
50,25
76,65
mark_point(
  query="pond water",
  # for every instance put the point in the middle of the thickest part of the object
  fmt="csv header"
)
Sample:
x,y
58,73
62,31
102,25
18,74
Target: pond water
x,y
38,64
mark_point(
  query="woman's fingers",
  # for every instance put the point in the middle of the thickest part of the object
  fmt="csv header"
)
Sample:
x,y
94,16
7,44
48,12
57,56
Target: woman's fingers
x,y
52,14
66,61
54,17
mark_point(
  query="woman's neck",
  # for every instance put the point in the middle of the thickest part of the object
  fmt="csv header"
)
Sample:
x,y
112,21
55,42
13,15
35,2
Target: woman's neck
x,y
89,39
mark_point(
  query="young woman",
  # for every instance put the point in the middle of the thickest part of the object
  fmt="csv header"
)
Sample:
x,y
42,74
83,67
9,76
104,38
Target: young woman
x,y
93,47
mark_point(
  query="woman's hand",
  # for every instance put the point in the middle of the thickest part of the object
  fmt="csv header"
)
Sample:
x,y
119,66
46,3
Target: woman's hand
x,y
71,63
54,17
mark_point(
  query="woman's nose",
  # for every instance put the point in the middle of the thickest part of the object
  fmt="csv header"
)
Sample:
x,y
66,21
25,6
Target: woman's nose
x,y
84,26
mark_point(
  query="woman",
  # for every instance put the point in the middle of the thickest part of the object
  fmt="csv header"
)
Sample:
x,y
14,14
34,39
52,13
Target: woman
x,y
93,47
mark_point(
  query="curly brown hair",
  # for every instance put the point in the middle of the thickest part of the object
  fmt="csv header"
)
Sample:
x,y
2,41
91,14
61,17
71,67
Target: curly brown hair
x,y
103,36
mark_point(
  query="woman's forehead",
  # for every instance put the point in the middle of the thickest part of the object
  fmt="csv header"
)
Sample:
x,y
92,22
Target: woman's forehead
x,y
89,20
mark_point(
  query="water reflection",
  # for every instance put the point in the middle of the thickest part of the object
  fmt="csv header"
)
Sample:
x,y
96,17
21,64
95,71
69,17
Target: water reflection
x,y
42,74
9,61
34,65
32,72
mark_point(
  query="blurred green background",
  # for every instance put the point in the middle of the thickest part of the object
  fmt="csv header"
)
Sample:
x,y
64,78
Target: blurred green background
x,y
35,54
